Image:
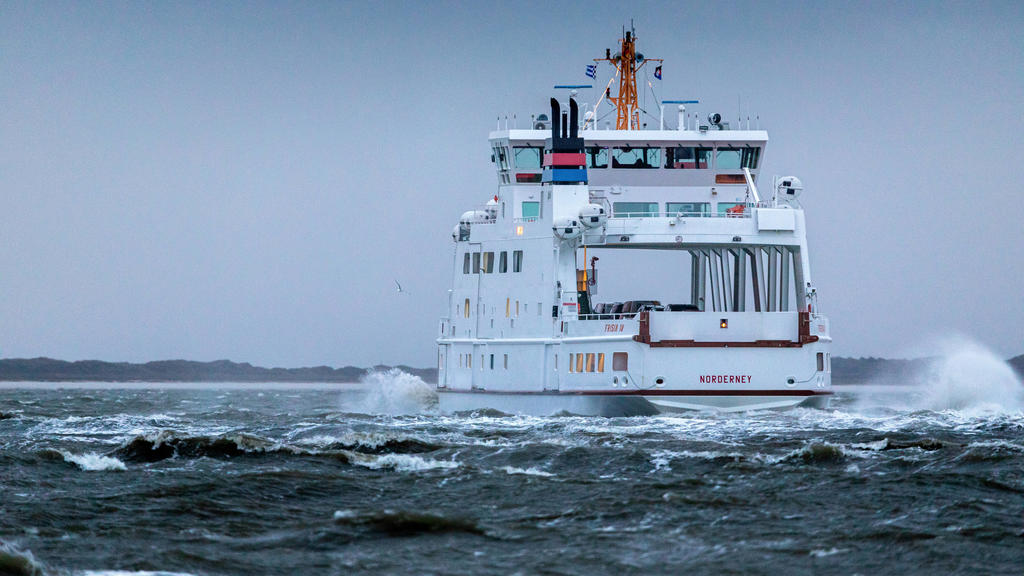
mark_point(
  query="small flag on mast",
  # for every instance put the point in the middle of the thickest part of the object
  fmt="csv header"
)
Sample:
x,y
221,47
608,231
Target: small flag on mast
x,y
592,71
657,72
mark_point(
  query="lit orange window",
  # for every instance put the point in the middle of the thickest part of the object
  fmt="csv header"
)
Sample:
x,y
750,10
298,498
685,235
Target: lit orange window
x,y
579,362
590,362
600,362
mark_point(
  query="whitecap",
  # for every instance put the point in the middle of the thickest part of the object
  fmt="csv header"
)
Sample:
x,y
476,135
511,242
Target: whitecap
x,y
93,462
527,471
401,462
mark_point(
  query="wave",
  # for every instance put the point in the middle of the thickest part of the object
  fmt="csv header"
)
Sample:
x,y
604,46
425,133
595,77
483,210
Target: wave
x,y
359,449
406,523
393,392
93,462
401,462
512,470
815,453
17,562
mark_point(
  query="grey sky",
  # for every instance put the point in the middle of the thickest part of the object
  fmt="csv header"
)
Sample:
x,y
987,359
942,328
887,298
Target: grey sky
x,y
244,181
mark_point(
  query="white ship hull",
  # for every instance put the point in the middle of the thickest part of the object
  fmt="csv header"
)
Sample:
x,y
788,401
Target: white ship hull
x,y
613,404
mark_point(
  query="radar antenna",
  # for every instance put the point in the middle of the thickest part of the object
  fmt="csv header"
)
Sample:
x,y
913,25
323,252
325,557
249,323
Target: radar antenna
x,y
626,63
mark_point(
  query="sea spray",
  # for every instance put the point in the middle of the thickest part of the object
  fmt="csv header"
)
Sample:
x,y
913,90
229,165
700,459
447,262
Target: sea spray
x,y
393,392
968,377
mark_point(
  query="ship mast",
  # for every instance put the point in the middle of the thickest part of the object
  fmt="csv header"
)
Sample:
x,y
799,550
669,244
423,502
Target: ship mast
x,y
626,64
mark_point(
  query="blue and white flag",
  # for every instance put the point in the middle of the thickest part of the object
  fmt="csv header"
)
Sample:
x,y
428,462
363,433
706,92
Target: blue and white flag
x,y
592,71
657,72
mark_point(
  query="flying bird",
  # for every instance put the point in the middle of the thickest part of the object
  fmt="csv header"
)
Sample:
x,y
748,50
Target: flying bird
x,y
398,288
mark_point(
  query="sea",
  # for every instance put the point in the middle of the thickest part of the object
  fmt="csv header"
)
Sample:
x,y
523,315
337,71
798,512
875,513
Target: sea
x,y
902,478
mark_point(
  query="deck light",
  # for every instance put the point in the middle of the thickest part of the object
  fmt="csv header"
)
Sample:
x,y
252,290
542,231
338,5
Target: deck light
x,y
723,323
519,230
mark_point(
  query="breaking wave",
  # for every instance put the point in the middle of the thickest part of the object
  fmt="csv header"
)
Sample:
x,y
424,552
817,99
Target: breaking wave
x,y
358,449
395,393
94,462
402,463
17,562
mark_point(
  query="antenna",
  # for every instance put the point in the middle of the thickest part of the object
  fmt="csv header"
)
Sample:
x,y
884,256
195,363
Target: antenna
x,y
627,62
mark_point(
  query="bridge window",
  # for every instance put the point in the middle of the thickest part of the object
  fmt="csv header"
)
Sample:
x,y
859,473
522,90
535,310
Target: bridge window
x,y
688,208
750,157
517,261
635,209
527,156
727,159
531,209
597,157
687,157
502,158
629,157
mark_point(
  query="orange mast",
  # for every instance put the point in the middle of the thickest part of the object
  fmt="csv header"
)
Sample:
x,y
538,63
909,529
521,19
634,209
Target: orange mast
x,y
626,64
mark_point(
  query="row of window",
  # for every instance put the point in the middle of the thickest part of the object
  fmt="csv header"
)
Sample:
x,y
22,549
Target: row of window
x,y
650,209
583,362
484,262
465,308
675,157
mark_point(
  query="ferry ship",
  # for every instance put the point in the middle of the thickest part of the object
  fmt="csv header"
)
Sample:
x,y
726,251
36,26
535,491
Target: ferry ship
x,y
737,329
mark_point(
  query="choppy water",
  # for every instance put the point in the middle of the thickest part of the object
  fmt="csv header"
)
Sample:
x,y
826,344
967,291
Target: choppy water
x,y
332,480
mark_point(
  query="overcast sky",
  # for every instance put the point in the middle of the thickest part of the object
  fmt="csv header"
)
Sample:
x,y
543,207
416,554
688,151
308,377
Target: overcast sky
x,y
245,180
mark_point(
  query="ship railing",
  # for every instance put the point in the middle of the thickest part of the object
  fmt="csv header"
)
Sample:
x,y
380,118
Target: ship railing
x,y
746,213
608,316
525,220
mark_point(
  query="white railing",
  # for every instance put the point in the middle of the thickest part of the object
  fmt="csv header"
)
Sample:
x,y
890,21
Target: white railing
x,y
747,213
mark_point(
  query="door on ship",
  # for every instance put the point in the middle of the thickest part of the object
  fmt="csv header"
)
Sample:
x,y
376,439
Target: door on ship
x,y
550,367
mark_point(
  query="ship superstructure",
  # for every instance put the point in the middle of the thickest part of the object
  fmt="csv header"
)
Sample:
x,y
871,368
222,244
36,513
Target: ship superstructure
x,y
527,328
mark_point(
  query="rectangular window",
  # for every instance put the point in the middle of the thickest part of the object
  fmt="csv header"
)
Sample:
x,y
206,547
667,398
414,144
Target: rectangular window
x,y
750,157
465,264
620,361
590,362
556,362
502,158
629,157
469,360
727,159
572,360
687,157
579,362
503,262
492,361
507,304
821,361
687,208
527,156
506,361
467,308
597,157
517,261
530,210
481,362
488,264
517,308
600,362
635,209
476,262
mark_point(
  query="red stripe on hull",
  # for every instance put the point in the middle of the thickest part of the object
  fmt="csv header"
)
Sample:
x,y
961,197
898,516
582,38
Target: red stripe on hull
x,y
647,392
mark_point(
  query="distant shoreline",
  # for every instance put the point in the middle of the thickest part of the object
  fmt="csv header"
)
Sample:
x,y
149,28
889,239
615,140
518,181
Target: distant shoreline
x,y
844,371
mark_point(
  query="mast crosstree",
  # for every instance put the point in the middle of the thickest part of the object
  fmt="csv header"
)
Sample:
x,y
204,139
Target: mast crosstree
x,y
626,62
